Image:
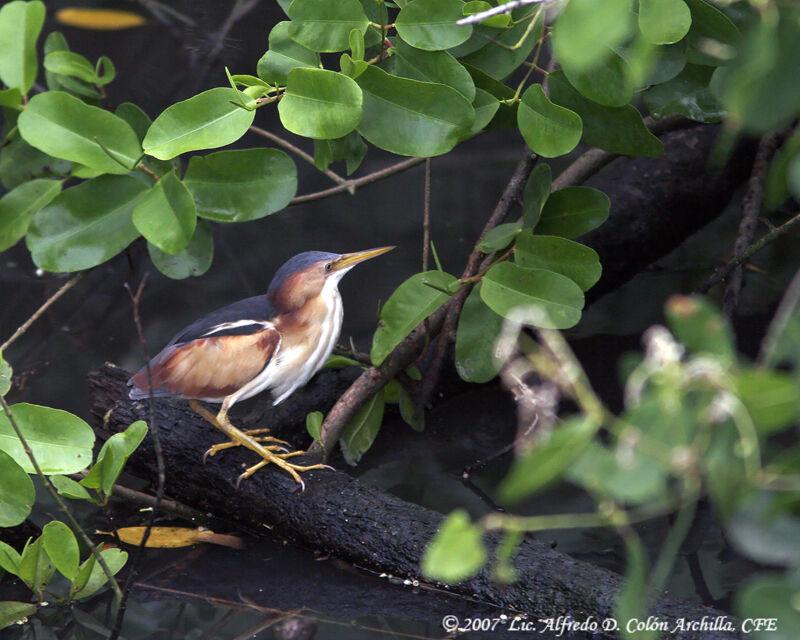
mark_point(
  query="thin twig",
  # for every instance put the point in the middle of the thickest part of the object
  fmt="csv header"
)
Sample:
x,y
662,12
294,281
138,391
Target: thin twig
x,y
351,185
132,573
297,151
751,206
27,324
426,216
75,525
723,272
512,192
506,7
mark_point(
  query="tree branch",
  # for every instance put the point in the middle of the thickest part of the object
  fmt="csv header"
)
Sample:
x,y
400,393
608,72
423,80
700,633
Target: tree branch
x,y
27,324
351,185
736,262
590,162
751,205
296,151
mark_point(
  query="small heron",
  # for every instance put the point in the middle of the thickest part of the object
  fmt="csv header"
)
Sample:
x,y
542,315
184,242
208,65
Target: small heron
x,y
275,341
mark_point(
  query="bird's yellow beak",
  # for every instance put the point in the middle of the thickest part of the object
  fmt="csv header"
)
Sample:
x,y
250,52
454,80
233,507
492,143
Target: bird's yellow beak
x,y
352,259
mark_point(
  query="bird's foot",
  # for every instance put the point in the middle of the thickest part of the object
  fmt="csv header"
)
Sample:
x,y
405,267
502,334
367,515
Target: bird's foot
x,y
255,434
279,459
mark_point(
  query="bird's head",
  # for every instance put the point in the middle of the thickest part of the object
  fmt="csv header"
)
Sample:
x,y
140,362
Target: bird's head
x,y
305,275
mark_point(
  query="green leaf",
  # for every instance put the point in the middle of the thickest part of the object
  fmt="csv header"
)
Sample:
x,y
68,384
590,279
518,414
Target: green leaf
x,y
431,24
507,286
764,532
326,26
194,260
62,547
587,30
91,578
486,106
412,415
356,39
573,211
499,237
772,601
630,604
664,21
759,86
537,190
608,83
772,398
65,127
11,612
35,568
776,185
360,433
68,488
60,441
687,94
18,206
456,551
242,184
68,63
9,558
112,457
615,129
314,424
138,120
630,478
320,104
505,51
412,302
431,66
6,374
86,224
709,25
412,118
350,149
166,215
20,24
11,98
500,21
351,68
576,261
283,55
208,120
547,460
699,325
478,329
20,162
548,129
17,494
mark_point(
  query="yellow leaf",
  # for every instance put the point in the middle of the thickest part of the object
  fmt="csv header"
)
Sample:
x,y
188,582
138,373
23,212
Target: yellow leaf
x,y
99,19
174,537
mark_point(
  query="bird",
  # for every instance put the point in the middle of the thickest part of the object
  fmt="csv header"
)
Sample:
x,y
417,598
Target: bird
x,y
275,341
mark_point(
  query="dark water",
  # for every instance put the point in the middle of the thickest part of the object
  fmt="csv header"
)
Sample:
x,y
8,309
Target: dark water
x,y
219,593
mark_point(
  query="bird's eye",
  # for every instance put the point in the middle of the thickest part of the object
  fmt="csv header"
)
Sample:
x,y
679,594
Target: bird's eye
x,y
328,266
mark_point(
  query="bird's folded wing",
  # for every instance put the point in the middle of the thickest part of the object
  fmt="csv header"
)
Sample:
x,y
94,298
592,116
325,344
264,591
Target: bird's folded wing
x,y
213,366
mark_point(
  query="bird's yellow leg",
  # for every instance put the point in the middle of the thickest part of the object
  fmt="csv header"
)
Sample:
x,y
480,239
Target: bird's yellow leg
x,y
255,434
239,437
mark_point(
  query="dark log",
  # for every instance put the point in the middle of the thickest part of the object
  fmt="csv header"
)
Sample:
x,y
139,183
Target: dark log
x,y
340,515
657,203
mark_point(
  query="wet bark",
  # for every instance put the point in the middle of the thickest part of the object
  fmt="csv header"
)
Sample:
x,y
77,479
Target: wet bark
x,y
340,515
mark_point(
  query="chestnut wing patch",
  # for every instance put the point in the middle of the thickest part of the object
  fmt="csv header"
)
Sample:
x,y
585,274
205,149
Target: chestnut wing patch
x,y
213,366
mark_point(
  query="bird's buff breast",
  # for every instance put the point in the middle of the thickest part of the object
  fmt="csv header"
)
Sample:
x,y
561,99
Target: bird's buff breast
x,y
307,341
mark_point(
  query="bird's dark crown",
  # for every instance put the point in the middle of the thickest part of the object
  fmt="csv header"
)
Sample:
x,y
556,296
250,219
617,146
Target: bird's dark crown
x,y
295,264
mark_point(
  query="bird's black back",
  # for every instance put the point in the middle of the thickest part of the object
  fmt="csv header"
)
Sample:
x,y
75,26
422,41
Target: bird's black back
x,y
257,308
